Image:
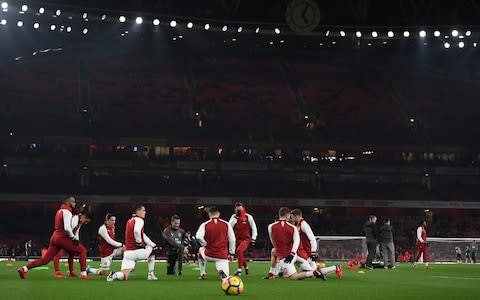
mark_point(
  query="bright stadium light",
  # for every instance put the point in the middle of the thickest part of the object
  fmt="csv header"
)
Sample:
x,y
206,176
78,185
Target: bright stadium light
x,y
475,45
24,8
342,33
52,27
390,34
41,10
190,25
3,22
69,29
257,30
85,15
327,33
139,20
58,13
20,23
224,28
36,25
422,33
207,26
358,34
446,45
239,29
436,33
374,34
85,31
455,33
406,33
461,44
173,23
4,5
468,33
277,31
104,17
156,22
122,19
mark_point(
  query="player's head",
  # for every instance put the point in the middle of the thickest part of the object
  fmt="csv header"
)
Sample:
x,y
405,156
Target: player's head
x,y
238,208
296,215
423,223
175,221
373,219
84,219
110,220
70,201
284,213
387,222
213,212
80,208
188,233
139,211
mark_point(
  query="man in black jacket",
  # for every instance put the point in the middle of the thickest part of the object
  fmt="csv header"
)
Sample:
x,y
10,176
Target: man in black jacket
x,y
370,230
388,248
174,236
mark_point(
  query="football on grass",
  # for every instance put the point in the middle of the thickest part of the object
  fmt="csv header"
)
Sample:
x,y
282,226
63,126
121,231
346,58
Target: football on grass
x,y
232,285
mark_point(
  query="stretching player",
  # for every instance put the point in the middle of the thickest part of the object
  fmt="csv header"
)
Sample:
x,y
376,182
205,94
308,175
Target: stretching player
x,y
421,242
217,241
286,240
307,253
138,246
77,221
245,234
109,248
61,239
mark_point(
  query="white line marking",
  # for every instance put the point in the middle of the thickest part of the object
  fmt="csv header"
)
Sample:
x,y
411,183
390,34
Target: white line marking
x,y
454,277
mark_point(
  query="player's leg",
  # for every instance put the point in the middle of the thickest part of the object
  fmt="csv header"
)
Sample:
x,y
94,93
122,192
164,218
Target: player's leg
x,y
105,263
80,250
425,256
171,260
273,272
56,264
180,261
419,254
202,263
391,249
71,272
222,266
45,259
150,264
371,248
386,255
128,264
242,247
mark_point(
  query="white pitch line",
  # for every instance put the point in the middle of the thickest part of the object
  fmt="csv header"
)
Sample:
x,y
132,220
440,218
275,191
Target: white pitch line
x,y
454,277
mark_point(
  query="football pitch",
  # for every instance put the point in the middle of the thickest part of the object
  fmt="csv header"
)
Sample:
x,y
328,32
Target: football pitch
x,y
439,282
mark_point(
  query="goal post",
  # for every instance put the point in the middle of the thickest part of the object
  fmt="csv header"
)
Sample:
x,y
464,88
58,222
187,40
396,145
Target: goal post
x,y
443,249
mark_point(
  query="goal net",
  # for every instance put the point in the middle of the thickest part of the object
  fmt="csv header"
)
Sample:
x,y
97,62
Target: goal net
x,y
443,249
341,247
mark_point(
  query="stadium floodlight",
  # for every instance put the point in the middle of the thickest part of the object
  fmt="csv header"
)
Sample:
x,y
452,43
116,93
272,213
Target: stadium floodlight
x,y
58,13
342,33
422,33
454,33
390,34
436,33
277,31
139,20
257,30
20,23
85,15
24,8
327,33
190,25
69,29
446,45
468,33
358,34
104,17
41,10
52,27
207,26
122,19
3,22
374,34
475,45
406,33
461,44
173,23
239,29
224,28
85,31
156,22
4,5
36,25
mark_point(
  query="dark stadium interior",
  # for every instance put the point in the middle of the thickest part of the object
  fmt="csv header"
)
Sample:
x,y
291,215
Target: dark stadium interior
x,y
193,114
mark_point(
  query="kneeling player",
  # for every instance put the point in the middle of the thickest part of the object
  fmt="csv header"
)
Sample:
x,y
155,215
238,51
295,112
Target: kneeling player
x,y
217,239
138,246
109,248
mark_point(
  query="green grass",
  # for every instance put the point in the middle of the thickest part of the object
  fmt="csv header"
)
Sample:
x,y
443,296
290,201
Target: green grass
x,y
440,282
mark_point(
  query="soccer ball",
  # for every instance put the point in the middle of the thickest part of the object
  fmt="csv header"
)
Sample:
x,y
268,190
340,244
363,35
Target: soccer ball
x,y
232,285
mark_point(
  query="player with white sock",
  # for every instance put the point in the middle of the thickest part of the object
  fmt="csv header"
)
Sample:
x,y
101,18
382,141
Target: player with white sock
x,y
138,246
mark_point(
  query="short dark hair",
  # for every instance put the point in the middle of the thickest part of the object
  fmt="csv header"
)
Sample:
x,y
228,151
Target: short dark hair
x,y
137,207
423,222
108,216
213,209
386,221
87,215
174,217
297,212
283,211
67,197
371,217
238,204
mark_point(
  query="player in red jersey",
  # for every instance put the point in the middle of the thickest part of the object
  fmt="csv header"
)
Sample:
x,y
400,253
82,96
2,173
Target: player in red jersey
x,y
307,253
61,239
77,221
245,230
108,246
421,243
138,246
217,241
286,240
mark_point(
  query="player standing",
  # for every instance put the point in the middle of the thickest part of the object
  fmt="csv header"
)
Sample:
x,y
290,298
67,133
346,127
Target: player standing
x,y
77,221
421,242
174,236
61,239
245,230
217,241
108,246
138,246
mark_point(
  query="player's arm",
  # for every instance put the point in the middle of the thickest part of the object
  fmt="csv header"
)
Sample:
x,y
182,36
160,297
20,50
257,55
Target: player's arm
x,y
231,240
67,223
148,241
419,235
270,234
233,221
253,226
296,240
311,237
137,232
200,235
102,231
